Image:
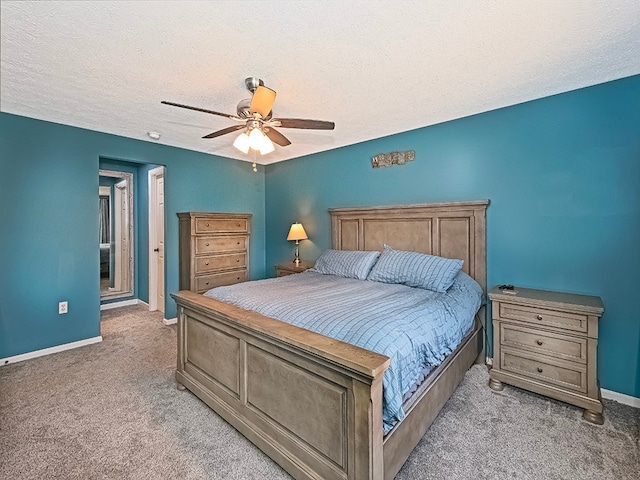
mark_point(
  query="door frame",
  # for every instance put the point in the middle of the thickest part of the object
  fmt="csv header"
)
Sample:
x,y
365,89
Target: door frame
x,y
153,265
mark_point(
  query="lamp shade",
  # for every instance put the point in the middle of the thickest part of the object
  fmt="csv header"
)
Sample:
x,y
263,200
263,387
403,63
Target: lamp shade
x,y
297,232
267,146
242,143
256,138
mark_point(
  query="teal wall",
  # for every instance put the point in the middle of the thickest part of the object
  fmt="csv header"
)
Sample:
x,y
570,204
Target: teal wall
x,y
49,248
562,174
563,177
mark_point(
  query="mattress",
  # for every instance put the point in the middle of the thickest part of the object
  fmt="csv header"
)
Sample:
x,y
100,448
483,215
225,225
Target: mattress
x,y
415,328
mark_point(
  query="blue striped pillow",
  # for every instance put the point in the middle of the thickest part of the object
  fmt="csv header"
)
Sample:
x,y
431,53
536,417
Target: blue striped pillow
x,y
415,270
346,263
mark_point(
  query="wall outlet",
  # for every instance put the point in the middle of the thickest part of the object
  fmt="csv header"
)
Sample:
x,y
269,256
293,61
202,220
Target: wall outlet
x,y
63,307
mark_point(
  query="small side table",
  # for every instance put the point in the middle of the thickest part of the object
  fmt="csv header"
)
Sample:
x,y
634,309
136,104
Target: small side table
x,y
546,342
289,268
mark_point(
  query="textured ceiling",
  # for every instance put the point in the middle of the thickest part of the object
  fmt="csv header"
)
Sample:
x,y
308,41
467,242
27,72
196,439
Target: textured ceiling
x,y
375,68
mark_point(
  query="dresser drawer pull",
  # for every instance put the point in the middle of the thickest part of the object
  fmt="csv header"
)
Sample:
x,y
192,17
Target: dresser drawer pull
x,y
539,342
207,224
238,261
237,224
207,283
238,243
206,244
206,263
539,317
539,370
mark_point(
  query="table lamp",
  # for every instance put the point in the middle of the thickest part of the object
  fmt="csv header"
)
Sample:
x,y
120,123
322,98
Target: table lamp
x,y
297,233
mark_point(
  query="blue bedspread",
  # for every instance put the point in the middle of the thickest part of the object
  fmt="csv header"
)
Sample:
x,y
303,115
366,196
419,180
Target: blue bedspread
x,y
415,328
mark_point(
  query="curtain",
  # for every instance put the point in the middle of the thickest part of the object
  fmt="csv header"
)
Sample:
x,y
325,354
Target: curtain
x,y
105,221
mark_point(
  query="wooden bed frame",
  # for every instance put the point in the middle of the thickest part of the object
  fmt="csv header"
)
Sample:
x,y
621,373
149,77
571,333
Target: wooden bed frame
x,y
312,403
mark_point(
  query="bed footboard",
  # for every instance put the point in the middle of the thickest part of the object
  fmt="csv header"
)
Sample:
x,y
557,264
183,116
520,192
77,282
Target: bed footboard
x,y
312,403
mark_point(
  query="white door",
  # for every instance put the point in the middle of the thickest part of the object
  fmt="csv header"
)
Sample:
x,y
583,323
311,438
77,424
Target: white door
x,y
156,239
160,239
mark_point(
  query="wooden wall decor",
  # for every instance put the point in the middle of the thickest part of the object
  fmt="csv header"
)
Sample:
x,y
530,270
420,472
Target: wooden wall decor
x,y
393,158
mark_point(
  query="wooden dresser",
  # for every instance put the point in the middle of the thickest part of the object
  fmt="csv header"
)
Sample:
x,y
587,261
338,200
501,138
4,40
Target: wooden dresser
x,y
546,342
214,249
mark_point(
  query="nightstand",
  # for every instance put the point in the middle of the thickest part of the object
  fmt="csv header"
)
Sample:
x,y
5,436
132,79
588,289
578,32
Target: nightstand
x,y
290,268
546,342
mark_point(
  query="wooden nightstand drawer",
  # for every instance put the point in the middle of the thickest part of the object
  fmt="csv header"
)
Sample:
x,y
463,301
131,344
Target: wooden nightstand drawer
x,y
220,262
210,225
289,268
284,273
220,244
544,317
570,375
207,282
555,345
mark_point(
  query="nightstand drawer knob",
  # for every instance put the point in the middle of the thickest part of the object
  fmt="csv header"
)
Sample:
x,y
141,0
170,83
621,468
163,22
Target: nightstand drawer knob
x,y
206,263
207,244
539,317
539,342
539,370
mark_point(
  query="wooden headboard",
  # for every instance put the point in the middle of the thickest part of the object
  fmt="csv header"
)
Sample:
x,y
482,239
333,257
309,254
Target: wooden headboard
x,y
452,230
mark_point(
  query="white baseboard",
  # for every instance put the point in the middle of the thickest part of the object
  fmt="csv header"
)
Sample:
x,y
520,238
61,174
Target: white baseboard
x,y
50,350
124,303
170,321
620,398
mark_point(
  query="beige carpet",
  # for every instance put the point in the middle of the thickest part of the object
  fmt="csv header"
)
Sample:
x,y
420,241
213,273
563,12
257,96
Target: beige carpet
x,y
111,411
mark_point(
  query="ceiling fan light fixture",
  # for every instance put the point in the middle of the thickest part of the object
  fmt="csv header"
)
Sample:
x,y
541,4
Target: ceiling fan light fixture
x,y
256,121
256,139
267,146
242,143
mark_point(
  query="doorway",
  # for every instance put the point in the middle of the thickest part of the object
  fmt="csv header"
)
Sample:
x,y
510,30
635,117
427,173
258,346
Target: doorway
x,y
156,240
116,234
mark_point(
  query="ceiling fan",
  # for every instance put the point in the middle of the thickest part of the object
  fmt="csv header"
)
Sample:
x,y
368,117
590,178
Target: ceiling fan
x,y
256,118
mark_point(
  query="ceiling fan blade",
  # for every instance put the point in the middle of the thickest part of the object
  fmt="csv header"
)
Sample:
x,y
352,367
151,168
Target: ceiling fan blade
x,y
304,123
224,131
198,109
262,101
276,137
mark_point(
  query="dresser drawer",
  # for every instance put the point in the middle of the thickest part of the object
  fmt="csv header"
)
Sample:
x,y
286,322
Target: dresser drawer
x,y
569,376
546,343
220,244
206,282
541,316
220,262
222,225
